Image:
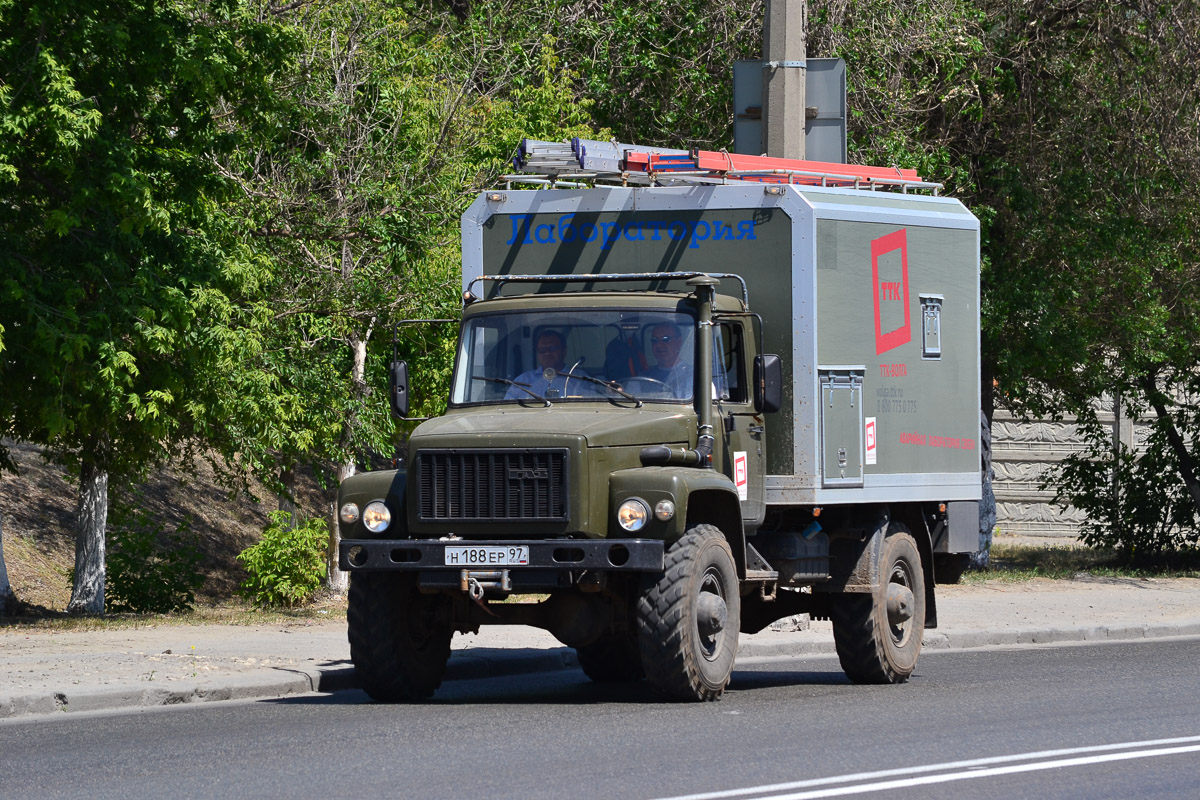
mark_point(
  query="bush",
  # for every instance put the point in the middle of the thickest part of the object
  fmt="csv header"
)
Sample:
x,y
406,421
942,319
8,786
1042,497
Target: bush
x,y
1135,503
286,566
145,576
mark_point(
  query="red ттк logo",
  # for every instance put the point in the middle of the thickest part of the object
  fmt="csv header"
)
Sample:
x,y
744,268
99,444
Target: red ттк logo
x,y
889,279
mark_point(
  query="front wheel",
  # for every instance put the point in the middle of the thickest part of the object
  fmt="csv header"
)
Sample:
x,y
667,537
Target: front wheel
x,y
688,620
878,635
399,637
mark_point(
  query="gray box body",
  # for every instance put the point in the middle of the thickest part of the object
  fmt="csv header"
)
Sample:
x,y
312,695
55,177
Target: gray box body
x,y
871,299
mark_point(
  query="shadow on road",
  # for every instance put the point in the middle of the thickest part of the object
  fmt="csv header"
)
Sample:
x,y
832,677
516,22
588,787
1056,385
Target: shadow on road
x,y
746,680
564,687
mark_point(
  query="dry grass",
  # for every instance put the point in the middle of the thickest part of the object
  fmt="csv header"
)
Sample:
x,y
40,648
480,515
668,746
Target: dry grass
x,y
323,608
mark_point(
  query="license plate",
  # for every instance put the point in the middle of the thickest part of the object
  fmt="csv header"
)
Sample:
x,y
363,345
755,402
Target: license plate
x,y
487,556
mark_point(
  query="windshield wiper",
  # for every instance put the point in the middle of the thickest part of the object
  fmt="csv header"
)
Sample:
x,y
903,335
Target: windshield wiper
x,y
520,386
605,384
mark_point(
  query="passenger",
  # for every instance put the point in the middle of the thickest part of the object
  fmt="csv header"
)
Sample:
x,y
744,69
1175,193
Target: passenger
x,y
666,343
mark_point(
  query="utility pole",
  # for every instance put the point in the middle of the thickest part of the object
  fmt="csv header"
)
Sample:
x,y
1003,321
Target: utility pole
x,y
783,78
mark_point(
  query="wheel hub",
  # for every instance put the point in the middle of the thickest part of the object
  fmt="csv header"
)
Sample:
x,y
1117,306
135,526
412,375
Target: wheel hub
x,y
711,614
899,603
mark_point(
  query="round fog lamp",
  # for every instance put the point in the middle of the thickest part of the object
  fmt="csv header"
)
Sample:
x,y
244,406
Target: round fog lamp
x,y
349,513
632,515
376,517
664,510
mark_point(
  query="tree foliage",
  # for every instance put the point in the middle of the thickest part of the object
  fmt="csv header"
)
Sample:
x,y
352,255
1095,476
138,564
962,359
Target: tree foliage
x,y
149,570
121,291
390,121
1069,127
1096,246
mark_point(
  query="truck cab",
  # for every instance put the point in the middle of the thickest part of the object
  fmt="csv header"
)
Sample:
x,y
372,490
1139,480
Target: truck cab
x,y
587,432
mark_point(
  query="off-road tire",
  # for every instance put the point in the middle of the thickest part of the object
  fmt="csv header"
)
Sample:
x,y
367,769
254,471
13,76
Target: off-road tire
x,y
615,658
870,648
681,662
399,638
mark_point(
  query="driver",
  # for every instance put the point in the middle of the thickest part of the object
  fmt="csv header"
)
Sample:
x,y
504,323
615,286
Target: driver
x,y
666,342
551,352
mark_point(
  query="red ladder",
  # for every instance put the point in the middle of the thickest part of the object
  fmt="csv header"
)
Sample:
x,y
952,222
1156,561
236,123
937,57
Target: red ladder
x,y
765,169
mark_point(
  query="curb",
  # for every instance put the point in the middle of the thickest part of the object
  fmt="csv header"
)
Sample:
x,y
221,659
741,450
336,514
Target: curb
x,y
252,686
476,663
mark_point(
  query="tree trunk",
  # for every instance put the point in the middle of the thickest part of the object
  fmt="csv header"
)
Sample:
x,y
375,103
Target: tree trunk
x,y
287,499
87,595
339,581
1187,466
7,598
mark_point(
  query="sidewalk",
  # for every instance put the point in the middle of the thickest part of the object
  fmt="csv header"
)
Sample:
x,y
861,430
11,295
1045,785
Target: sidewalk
x,y
47,672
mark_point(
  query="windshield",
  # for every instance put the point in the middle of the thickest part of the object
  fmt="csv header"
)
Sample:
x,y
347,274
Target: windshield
x,y
576,355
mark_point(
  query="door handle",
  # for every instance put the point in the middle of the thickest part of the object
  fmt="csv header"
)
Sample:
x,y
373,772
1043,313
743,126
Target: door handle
x,y
755,430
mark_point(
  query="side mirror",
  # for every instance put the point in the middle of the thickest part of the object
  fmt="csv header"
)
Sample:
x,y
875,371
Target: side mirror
x,y
768,383
398,389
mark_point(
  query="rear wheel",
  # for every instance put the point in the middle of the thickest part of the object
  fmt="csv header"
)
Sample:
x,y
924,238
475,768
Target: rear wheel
x,y
878,635
688,620
614,658
399,638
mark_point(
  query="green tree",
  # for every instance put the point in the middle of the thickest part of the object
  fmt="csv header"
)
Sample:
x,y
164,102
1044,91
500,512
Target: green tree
x,y
124,297
1071,128
390,121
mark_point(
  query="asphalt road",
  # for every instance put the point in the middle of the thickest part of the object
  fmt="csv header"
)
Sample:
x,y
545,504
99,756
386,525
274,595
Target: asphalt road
x,y
1096,721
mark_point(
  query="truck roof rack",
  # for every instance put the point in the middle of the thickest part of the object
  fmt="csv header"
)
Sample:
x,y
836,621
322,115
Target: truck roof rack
x,y
500,280
585,162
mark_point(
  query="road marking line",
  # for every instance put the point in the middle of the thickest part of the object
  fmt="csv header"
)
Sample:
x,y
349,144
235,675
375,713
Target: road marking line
x,y
983,773
977,767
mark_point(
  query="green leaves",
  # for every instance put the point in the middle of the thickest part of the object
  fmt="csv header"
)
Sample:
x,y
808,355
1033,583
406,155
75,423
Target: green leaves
x,y
113,260
287,565
150,571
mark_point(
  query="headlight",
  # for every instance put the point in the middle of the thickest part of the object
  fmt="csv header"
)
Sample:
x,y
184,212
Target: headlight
x,y
376,517
664,510
349,514
632,515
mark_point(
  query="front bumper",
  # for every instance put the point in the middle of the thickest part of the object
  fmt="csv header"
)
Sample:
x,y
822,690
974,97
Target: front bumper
x,y
422,555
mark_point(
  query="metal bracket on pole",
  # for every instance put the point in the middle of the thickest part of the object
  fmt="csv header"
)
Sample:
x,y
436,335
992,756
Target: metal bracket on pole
x,y
785,65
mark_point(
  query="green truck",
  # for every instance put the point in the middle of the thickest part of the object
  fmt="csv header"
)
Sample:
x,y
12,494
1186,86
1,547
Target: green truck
x,y
678,413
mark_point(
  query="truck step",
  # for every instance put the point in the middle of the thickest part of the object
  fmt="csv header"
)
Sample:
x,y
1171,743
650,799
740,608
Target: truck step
x,y
761,575
757,568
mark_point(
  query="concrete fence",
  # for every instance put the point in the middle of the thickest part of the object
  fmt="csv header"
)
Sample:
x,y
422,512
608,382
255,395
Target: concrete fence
x,y
1022,452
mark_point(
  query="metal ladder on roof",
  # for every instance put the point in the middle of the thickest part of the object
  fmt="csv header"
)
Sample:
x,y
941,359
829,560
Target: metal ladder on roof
x,y
583,162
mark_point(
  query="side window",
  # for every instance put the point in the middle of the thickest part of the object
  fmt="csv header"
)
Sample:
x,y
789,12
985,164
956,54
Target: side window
x,y
729,368
484,353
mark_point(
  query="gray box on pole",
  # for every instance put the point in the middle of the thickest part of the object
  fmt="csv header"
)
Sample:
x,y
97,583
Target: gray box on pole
x,y
825,90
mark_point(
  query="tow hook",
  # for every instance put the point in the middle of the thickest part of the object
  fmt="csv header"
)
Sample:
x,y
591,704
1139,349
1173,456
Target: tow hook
x,y
476,582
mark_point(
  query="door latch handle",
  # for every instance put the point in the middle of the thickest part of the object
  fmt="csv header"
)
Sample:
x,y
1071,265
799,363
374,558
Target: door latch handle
x,y
755,430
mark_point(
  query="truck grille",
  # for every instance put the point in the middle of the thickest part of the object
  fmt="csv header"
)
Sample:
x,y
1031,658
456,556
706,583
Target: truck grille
x,y
492,485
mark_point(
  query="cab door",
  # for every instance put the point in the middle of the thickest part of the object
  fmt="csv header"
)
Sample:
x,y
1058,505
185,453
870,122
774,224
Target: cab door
x,y
741,452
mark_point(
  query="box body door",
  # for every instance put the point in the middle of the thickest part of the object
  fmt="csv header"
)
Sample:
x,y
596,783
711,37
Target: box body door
x,y
841,427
